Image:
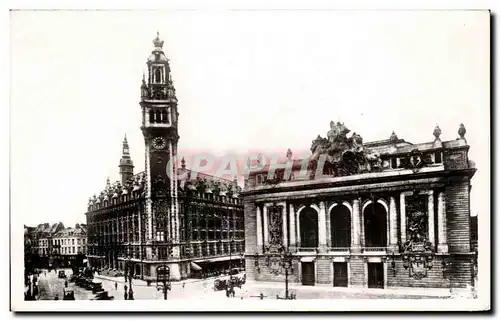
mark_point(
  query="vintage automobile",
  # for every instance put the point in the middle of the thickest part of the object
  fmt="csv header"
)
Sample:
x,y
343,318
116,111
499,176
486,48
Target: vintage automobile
x,y
69,295
96,287
103,295
220,284
61,274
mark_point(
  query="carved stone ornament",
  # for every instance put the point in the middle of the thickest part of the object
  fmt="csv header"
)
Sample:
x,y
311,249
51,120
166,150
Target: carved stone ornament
x,y
275,258
275,226
415,160
455,161
417,251
343,155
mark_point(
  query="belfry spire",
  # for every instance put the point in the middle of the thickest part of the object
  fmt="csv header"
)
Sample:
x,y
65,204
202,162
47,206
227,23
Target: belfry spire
x,y
126,165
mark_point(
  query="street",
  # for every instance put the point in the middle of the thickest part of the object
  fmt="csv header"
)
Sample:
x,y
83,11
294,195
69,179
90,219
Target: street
x,y
51,286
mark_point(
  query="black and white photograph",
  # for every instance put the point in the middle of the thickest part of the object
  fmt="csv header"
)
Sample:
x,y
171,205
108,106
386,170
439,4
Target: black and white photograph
x,y
250,160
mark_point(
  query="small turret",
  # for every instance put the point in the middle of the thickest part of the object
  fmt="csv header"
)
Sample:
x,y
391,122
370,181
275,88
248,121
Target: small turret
x,y
126,165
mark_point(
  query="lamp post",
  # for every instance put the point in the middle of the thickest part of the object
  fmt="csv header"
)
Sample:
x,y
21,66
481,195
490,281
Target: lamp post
x,y
230,285
287,264
163,276
242,256
130,276
231,242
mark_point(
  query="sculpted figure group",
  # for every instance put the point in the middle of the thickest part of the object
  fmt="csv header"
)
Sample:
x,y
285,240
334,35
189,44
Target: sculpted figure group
x,y
344,155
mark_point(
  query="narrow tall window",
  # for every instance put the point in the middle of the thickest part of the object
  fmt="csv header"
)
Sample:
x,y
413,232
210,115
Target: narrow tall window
x,y
158,117
164,118
158,75
437,158
394,162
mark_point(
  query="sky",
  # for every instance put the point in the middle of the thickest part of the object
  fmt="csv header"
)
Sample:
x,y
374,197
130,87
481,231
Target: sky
x,y
245,80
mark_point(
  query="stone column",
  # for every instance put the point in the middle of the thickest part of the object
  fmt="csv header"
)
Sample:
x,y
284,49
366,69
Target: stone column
x,y
285,226
442,239
133,228
139,225
297,224
430,206
259,230
322,226
328,226
393,222
355,226
293,232
266,226
129,228
402,212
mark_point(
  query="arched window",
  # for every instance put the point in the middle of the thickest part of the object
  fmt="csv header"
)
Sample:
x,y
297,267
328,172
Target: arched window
x,y
375,220
308,228
340,220
158,75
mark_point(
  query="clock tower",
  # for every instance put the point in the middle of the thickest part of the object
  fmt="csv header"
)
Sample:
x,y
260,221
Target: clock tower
x,y
159,127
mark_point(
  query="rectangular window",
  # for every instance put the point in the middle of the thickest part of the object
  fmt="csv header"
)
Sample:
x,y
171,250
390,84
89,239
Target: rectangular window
x,y
73,242
394,163
437,158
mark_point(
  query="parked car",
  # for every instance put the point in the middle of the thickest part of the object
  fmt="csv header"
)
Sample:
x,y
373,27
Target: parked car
x,y
62,274
96,287
220,285
69,295
103,295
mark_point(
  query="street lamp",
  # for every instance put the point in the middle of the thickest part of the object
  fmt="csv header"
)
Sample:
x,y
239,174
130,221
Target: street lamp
x,y
287,265
130,276
163,276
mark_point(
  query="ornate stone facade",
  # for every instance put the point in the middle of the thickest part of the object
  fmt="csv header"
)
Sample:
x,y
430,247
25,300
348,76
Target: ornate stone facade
x,y
156,217
377,214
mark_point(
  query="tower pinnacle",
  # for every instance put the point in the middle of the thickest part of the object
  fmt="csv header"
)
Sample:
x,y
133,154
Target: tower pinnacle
x,y
126,165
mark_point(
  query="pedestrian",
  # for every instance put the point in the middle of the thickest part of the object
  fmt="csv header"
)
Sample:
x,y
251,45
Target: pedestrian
x,y
183,285
116,286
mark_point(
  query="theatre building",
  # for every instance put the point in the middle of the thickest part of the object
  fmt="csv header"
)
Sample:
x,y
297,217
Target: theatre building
x,y
164,215
377,214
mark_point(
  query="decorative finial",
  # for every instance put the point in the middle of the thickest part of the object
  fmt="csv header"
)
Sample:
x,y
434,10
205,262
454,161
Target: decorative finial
x,y
125,139
462,131
157,42
437,132
183,163
289,154
108,183
393,137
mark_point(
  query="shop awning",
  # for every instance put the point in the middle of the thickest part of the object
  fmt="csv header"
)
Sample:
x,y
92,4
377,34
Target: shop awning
x,y
195,267
307,259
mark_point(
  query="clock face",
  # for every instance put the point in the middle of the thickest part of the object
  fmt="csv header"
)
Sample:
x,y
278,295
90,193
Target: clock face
x,y
159,143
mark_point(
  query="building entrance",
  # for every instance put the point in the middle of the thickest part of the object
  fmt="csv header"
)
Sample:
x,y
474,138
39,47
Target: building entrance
x,y
375,275
340,277
308,273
